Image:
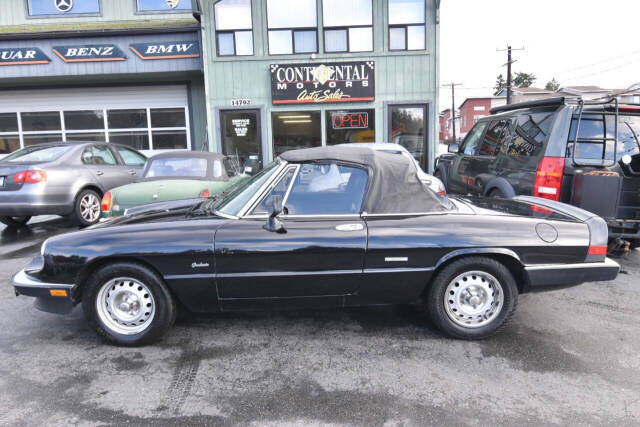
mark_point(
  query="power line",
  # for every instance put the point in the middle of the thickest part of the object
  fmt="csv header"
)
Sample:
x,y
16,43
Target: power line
x,y
602,61
606,70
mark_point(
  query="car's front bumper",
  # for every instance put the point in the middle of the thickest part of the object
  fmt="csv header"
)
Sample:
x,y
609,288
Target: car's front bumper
x,y
50,297
544,276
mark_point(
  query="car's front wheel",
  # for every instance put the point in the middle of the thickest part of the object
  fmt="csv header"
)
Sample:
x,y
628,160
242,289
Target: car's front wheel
x,y
128,304
14,221
472,298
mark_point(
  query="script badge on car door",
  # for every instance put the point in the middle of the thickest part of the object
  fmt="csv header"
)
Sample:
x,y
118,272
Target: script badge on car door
x,y
349,227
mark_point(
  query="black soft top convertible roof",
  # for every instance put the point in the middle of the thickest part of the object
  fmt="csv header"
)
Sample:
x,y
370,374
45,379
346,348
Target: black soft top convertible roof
x,y
394,186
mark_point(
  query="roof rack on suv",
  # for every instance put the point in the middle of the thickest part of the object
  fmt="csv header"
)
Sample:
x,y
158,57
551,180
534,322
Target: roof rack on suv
x,y
547,102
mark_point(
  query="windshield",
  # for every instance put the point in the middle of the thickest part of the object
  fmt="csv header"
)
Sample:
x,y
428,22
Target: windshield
x,y
181,166
235,201
37,154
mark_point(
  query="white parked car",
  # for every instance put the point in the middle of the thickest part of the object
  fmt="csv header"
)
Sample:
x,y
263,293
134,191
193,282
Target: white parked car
x,y
434,183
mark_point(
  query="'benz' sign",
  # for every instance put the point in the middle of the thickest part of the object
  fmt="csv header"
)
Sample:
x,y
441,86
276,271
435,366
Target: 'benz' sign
x,y
22,56
167,50
323,82
90,53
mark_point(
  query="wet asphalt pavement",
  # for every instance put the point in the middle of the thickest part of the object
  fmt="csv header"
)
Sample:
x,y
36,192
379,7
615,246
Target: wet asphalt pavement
x,y
569,357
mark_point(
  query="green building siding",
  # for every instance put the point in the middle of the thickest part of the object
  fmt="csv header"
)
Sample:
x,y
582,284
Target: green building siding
x,y
400,77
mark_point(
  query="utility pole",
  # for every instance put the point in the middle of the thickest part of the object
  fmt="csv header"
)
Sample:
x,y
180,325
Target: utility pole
x,y
453,108
508,64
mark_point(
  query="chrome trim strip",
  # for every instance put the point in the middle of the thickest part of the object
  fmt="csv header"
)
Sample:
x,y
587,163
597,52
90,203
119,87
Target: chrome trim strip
x,y
298,216
288,273
190,276
258,194
396,259
608,262
22,279
293,180
398,270
381,215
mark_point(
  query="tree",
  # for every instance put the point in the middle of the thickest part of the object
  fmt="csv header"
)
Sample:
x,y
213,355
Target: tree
x,y
552,85
524,79
501,84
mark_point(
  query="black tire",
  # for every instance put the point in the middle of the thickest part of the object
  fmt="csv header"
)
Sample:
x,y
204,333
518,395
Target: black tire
x,y
496,194
15,221
164,308
435,298
77,215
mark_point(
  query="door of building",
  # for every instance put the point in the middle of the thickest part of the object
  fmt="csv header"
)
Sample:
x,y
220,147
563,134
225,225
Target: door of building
x,y
241,138
408,126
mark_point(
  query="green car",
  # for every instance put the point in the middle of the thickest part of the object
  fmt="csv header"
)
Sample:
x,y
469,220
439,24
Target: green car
x,y
174,176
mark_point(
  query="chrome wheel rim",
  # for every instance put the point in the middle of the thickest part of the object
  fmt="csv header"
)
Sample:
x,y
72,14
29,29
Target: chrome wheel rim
x,y
90,207
125,306
473,299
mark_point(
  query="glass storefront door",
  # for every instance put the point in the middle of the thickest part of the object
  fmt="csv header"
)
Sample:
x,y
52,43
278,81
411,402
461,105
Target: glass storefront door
x,y
241,138
408,127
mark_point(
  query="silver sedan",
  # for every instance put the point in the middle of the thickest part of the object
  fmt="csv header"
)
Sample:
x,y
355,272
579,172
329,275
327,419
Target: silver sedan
x,y
63,178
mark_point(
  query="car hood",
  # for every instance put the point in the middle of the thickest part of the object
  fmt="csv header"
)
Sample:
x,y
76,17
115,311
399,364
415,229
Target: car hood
x,y
174,210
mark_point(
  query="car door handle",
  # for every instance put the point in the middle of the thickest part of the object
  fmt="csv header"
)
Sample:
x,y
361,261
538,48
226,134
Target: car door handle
x,y
99,173
133,172
349,227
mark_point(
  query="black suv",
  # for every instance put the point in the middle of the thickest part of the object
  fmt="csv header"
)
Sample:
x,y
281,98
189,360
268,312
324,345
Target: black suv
x,y
529,148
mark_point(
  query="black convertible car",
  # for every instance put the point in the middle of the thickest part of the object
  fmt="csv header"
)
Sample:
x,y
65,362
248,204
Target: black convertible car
x,y
319,227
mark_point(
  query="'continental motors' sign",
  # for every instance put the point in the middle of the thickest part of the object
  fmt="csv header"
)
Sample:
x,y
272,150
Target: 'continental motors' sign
x,y
323,83
166,50
22,56
89,53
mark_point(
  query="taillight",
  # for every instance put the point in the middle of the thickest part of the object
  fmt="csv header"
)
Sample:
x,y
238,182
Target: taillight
x,y
107,200
30,177
205,193
442,192
549,178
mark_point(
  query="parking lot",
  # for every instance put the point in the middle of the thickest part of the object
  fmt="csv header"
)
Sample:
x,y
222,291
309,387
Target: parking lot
x,y
568,357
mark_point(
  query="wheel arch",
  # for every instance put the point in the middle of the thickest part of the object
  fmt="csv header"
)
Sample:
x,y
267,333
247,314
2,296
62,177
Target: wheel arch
x,y
507,257
443,170
93,187
501,184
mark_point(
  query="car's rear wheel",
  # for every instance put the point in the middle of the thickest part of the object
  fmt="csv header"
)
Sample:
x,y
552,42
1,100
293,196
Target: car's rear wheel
x,y
14,221
472,298
87,208
128,304
497,194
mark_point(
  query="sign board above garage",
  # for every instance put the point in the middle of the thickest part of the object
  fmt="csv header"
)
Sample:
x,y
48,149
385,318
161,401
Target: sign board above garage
x,y
167,50
22,56
327,82
89,53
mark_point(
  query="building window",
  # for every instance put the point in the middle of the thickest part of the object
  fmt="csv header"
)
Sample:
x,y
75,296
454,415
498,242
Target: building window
x,y
406,25
62,7
163,5
295,129
141,128
293,26
350,126
233,28
408,126
348,25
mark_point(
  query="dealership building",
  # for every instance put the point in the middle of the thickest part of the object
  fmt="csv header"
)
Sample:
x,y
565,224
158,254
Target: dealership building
x,y
249,78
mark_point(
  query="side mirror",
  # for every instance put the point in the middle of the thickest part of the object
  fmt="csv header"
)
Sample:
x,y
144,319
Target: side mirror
x,y
274,206
453,148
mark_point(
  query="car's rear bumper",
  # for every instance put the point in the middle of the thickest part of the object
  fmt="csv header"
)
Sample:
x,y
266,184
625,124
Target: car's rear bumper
x,y
35,201
544,276
50,297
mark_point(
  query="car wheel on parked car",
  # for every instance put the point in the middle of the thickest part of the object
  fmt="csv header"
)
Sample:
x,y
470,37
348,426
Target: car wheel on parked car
x,y
128,304
87,208
496,194
472,298
14,221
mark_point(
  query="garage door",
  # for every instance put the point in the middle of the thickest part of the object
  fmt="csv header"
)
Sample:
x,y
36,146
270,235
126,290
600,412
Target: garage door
x,y
147,118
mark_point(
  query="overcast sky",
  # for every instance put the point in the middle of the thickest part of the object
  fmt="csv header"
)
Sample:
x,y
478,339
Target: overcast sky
x,y
579,42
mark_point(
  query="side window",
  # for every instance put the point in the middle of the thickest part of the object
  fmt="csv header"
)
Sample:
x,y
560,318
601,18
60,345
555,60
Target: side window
x,y
470,143
530,134
327,189
497,133
130,157
103,156
279,189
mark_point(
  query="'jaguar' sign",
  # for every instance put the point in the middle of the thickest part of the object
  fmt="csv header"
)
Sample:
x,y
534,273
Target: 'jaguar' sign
x,y
323,82
23,56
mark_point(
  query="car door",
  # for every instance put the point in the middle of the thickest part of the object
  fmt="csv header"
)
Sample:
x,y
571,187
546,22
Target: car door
x,y
319,254
133,161
460,170
482,165
105,167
